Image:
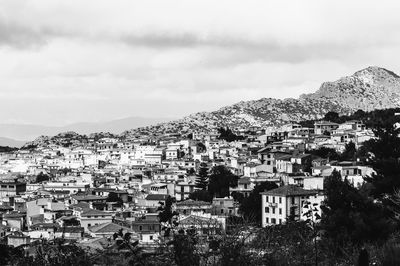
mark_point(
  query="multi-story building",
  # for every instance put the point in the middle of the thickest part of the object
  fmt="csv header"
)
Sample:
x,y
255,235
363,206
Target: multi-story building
x,y
11,188
284,203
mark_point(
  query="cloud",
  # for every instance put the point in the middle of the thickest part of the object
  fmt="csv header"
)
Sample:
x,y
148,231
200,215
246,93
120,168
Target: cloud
x,y
78,60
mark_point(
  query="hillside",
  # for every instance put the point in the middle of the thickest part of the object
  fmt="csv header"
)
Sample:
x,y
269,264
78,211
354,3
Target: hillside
x,y
367,89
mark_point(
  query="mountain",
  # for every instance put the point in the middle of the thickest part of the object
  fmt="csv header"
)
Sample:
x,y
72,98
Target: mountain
x,y
30,132
367,89
4,142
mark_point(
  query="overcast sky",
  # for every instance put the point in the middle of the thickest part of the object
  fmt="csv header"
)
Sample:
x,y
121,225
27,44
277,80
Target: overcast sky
x,y
71,61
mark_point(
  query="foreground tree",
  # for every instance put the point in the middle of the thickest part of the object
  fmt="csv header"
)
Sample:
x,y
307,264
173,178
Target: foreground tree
x,y
349,215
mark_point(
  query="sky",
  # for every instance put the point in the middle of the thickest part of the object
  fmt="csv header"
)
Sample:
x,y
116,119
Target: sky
x,y
71,61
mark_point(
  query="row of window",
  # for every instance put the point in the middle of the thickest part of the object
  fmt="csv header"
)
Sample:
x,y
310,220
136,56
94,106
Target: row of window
x,y
273,199
273,210
273,221
5,186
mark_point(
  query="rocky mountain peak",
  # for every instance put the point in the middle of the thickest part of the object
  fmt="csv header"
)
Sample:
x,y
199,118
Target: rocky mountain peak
x,y
378,73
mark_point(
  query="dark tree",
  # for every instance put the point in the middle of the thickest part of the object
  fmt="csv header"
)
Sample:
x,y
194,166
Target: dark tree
x,y
326,153
41,177
113,197
228,135
349,215
201,195
202,177
220,180
166,215
332,117
250,207
349,153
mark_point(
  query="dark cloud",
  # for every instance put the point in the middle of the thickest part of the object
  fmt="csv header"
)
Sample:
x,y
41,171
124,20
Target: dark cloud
x,y
18,36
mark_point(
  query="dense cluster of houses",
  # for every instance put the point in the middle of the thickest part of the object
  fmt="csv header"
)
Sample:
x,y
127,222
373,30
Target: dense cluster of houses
x,y
88,191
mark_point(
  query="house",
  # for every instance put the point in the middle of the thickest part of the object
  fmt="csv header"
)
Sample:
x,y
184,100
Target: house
x,y
17,239
183,189
152,200
107,229
284,203
224,207
321,127
148,228
202,224
190,206
11,188
92,217
244,187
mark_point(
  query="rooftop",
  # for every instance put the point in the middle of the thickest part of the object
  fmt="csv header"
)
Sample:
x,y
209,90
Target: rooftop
x,y
289,190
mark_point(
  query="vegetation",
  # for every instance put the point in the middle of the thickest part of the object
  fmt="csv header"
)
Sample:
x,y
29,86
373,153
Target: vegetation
x,y
250,206
220,180
228,135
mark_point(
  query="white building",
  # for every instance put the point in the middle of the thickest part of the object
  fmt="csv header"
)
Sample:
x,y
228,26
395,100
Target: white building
x,y
283,203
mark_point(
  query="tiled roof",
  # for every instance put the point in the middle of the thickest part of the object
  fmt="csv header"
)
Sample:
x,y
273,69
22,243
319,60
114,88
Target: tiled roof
x,y
191,202
107,228
156,197
289,190
92,212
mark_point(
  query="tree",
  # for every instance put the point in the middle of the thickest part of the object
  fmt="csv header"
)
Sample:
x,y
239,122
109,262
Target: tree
x,y
349,215
42,177
166,215
202,177
228,135
250,207
202,195
332,117
220,180
113,197
349,153
326,153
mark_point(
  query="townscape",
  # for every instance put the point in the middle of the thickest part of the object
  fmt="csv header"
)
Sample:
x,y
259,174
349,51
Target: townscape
x,y
199,133
94,190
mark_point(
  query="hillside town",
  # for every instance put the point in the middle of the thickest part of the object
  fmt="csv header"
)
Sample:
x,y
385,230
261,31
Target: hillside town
x,y
92,191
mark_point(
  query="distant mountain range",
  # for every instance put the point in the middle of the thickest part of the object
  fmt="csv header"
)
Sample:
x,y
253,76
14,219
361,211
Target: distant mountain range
x,y
16,135
367,89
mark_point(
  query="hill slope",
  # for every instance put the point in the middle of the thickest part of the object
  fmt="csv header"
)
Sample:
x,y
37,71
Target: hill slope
x,y
367,89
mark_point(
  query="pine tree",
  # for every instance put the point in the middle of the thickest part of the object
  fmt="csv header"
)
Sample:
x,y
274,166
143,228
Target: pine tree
x,y
202,179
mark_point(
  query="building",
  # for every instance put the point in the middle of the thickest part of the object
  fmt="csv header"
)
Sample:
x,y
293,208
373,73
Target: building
x,y
11,188
320,127
284,203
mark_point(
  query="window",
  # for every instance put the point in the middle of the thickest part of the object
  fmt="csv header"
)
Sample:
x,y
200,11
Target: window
x,y
151,237
292,200
273,199
267,220
266,198
222,210
140,228
273,221
280,210
266,209
280,199
280,221
273,210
